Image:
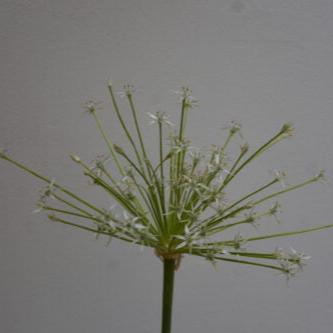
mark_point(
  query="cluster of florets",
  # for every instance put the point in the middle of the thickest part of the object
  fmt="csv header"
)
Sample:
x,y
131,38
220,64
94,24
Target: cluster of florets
x,y
177,205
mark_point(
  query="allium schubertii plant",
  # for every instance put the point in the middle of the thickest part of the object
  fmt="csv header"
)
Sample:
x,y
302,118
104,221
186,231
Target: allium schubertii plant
x,y
176,205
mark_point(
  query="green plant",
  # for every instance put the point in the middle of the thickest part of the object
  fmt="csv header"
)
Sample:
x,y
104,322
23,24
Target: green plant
x,y
178,204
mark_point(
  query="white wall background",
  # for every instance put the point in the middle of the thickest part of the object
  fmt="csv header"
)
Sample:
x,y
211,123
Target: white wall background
x,y
262,62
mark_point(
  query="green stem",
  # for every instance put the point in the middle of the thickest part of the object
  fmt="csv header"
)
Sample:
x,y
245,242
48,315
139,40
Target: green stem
x,y
138,131
276,138
251,194
49,181
109,143
123,125
162,189
168,281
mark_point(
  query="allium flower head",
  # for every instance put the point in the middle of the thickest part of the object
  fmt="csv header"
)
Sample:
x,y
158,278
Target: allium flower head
x,y
177,202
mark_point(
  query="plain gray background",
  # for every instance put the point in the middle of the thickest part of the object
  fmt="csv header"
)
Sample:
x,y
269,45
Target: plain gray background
x,y
261,62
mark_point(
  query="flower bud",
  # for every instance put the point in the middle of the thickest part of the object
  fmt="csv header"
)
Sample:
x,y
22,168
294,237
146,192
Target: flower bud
x,y
119,150
320,175
244,148
75,158
288,129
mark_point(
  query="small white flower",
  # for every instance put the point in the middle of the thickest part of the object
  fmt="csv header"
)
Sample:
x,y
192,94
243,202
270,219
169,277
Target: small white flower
x,y
108,215
131,222
159,118
226,171
280,176
196,156
233,127
126,216
239,241
217,159
194,185
154,118
291,262
289,269
92,106
186,97
128,91
121,94
46,194
280,253
189,238
275,210
127,179
210,256
100,161
40,207
299,258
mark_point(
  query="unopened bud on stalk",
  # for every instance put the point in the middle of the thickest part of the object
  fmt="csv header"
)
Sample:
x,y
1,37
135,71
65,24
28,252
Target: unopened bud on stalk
x,y
244,148
128,90
320,176
235,127
288,129
90,107
275,209
280,176
75,158
52,217
119,150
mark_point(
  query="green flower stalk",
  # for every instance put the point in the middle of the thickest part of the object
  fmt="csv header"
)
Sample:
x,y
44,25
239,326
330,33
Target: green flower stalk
x,y
178,204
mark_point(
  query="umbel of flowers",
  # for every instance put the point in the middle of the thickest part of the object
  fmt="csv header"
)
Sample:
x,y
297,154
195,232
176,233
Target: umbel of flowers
x,y
178,204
